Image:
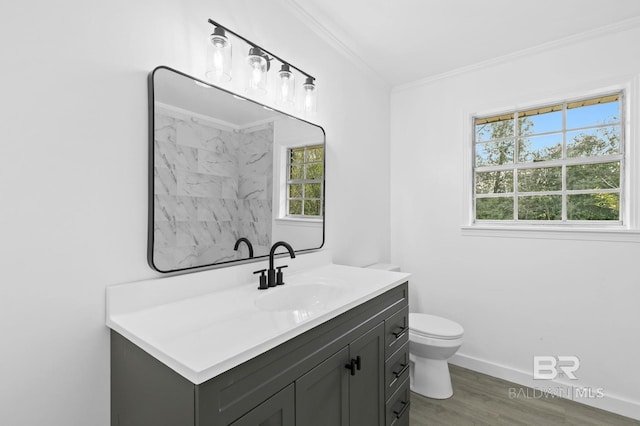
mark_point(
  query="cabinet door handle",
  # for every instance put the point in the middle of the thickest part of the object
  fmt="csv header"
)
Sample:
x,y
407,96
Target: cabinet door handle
x,y
405,405
351,366
354,364
401,372
400,333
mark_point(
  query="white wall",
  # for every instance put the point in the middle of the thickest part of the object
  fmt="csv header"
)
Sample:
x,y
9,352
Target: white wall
x,y
515,297
73,165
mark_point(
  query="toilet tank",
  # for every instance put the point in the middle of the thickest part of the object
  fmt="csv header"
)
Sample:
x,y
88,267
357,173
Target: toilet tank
x,y
385,267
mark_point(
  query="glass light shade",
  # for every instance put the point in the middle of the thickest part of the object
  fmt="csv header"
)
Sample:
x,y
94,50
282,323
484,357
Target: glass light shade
x,y
286,85
310,98
218,56
258,67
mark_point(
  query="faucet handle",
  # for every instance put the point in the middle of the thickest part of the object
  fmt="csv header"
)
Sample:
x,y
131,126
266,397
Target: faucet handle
x,y
263,279
279,275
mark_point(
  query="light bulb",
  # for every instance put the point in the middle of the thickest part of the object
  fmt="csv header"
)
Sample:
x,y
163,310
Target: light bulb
x,y
286,85
218,61
256,77
309,103
259,64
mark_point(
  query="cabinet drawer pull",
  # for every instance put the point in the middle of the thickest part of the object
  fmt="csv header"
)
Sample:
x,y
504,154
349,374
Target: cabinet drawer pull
x,y
401,372
405,405
400,333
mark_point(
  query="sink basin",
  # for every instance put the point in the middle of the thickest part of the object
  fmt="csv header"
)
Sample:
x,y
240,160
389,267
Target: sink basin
x,y
308,297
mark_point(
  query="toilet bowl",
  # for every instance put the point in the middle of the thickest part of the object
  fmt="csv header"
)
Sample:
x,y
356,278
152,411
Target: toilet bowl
x,y
433,340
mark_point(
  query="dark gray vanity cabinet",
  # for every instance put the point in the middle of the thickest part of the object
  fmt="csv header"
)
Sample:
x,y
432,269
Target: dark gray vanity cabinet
x,y
338,373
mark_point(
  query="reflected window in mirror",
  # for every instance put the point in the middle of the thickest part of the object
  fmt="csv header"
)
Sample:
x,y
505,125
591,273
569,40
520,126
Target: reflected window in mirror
x,y
305,177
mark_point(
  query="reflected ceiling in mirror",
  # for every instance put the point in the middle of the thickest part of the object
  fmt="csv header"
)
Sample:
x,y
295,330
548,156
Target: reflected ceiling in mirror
x,y
228,176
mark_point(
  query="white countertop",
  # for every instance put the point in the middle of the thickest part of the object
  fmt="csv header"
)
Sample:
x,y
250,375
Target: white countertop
x,y
203,336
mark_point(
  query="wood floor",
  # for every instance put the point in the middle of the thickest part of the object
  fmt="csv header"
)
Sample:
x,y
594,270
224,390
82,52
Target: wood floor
x,y
479,399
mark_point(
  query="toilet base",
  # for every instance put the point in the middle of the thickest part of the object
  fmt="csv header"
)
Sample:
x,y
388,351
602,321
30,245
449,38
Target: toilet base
x,y
433,379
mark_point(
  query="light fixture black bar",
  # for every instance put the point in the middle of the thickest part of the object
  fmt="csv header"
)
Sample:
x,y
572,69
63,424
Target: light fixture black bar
x,y
212,22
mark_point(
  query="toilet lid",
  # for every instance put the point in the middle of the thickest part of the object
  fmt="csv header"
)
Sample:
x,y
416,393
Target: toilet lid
x,y
434,326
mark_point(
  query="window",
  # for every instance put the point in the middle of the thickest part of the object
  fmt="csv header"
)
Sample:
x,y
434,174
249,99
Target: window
x,y
561,163
305,181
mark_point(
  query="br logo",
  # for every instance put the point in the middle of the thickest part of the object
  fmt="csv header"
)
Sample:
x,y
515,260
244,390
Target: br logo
x,y
546,367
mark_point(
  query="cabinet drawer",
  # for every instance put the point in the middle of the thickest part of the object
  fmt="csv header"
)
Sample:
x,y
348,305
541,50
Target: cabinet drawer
x,y
396,329
398,406
396,370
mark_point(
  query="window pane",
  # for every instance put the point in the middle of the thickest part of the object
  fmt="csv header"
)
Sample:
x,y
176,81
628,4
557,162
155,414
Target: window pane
x,y
500,208
593,207
494,153
314,171
295,191
297,155
313,154
580,114
540,148
295,206
494,182
592,142
540,207
594,176
540,120
296,172
312,190
494,127
542,179
312,207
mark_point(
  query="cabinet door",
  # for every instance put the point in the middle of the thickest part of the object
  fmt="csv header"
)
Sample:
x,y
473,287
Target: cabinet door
x,y
322,395
366,387
275,411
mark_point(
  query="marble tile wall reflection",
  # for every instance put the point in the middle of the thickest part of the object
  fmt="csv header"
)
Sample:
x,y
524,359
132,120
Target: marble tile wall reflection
x,y
211,187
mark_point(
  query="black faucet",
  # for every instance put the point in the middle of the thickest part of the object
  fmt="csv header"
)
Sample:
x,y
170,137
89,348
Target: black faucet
x,y
274,279
247,242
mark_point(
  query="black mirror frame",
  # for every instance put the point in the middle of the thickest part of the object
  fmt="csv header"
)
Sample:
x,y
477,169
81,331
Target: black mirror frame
x,y
151,180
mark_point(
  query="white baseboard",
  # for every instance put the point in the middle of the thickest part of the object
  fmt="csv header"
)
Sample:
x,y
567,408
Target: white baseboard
x,y
607,402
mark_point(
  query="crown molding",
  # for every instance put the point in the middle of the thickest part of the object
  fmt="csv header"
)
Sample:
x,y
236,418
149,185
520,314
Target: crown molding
x,y
307,18
621,26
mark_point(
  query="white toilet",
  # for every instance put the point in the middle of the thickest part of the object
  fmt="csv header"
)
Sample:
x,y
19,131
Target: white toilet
x,y
432,341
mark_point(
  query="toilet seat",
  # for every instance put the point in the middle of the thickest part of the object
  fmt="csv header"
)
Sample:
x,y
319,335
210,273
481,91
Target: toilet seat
x,y
434,327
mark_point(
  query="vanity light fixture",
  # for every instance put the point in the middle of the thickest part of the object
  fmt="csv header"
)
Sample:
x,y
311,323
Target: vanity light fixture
x,y
218,56
259,61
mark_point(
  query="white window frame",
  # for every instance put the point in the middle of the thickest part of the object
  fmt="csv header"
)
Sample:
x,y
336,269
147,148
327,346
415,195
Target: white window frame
x,y
628,230
289,182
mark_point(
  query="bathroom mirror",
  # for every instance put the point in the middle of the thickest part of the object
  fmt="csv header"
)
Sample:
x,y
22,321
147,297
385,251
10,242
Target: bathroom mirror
x,y
228,177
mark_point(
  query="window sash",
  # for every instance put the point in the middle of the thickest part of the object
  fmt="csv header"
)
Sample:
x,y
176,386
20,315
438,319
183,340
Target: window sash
x,y
564,162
